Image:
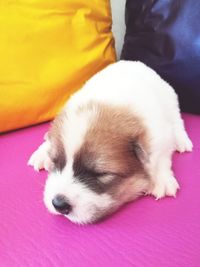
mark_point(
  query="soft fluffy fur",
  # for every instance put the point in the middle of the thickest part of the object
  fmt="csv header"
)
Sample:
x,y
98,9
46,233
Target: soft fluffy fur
x,y
113,142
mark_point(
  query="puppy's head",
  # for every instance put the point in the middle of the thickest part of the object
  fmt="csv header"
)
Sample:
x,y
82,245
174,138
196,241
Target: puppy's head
x,y
99,155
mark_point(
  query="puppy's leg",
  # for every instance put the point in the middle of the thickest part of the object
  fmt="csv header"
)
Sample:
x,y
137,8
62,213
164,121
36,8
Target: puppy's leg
x,y
182,140
40,158
164,182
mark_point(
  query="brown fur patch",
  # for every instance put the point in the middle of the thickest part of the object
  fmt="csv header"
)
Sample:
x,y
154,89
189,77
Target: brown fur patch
x,y
112,140
115,145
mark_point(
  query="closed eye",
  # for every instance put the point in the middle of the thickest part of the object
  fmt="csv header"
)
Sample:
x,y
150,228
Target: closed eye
x,y
96,174
86,172
83,172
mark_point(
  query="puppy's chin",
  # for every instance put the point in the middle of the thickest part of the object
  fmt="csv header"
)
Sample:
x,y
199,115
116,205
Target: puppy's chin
x,y
87,216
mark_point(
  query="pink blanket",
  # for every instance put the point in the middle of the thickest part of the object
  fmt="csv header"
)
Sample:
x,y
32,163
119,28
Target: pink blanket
x,y
144,233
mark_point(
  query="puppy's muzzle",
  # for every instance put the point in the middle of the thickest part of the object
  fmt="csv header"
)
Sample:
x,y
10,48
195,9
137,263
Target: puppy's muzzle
x,y
61,204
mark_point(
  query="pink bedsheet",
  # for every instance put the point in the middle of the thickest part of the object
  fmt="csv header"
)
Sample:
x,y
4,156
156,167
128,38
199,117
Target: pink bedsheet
x,y
144,233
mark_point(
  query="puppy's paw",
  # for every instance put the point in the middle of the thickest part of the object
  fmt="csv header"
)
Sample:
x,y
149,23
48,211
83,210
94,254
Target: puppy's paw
x,y
40,159
184,144
165,187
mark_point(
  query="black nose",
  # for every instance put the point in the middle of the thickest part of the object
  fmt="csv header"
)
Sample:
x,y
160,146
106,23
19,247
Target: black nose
x,y
61,205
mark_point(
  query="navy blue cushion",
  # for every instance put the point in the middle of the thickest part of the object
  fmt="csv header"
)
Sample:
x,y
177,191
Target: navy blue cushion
x,y
165,34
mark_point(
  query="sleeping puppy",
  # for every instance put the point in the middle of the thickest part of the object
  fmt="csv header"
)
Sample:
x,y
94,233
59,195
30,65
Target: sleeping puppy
x,y
112,142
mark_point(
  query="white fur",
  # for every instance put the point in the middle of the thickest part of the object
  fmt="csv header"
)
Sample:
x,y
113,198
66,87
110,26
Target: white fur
x,y
133,85
75,128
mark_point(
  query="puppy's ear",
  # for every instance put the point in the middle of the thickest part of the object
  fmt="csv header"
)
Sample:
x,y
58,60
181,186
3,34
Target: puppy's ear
x,y
56,150
138,151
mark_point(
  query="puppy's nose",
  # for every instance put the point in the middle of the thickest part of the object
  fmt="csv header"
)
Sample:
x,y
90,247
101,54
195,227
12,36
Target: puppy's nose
x,y
61,205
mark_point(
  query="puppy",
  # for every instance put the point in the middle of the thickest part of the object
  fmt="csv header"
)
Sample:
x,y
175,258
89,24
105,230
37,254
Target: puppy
x,y
112,142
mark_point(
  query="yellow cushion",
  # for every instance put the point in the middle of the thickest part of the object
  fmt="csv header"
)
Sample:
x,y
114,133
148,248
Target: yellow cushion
x,y
48,49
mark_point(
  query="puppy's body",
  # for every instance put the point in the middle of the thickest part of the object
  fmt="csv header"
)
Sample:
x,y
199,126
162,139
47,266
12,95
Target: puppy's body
x,y
112,142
